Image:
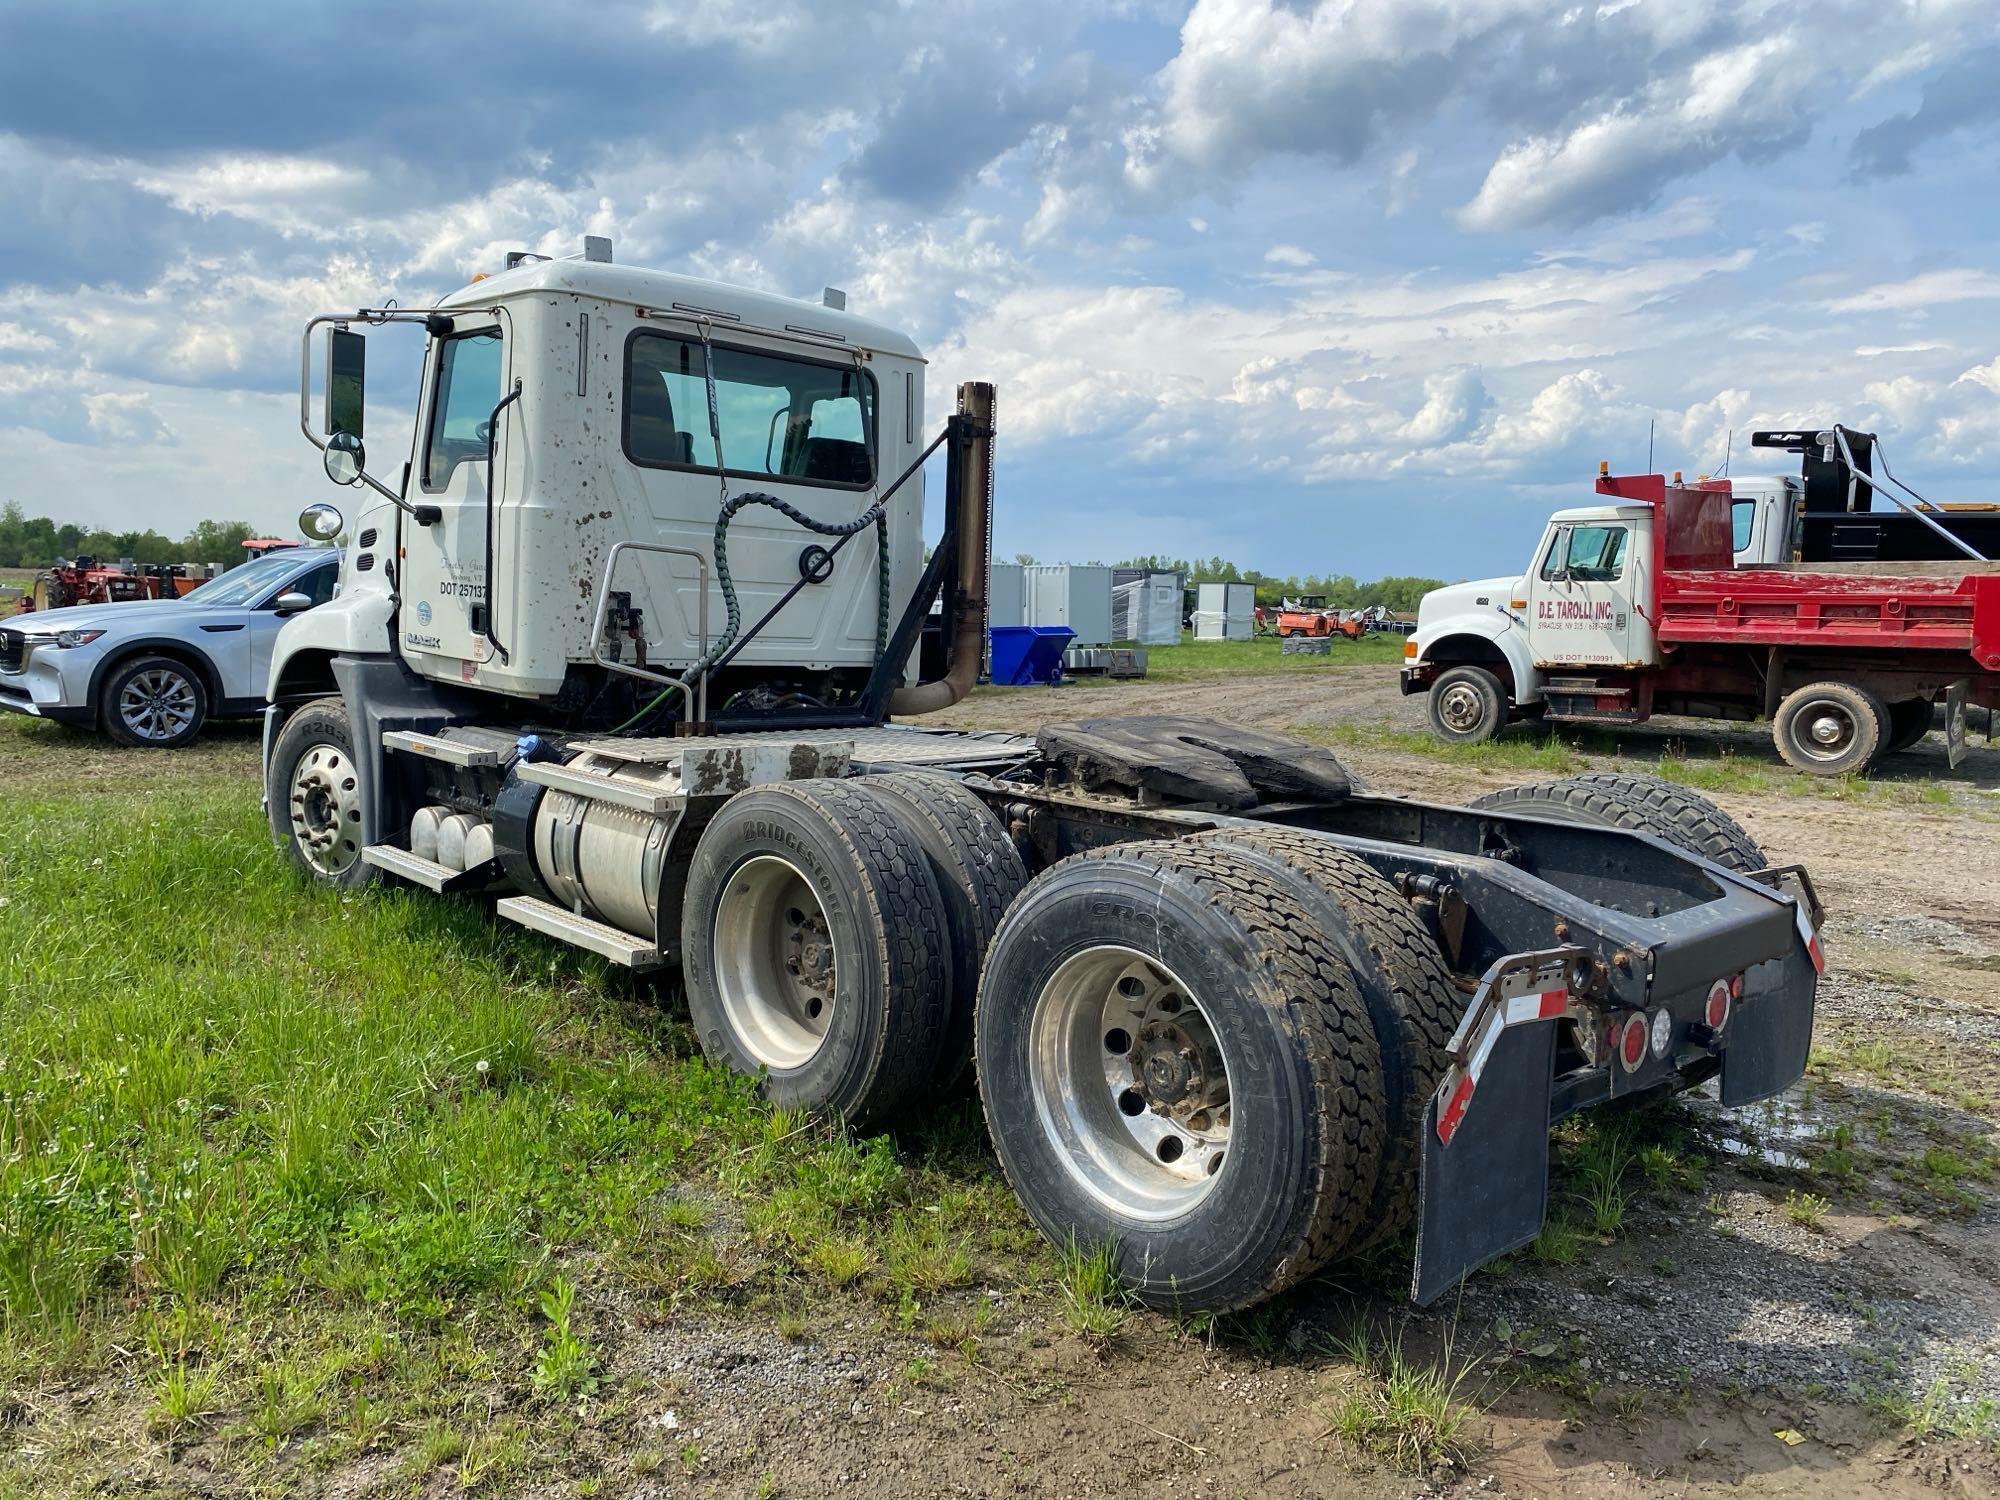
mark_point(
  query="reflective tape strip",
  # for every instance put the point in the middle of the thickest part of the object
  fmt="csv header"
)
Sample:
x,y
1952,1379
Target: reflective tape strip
x,y
1454,1108
1812,938
1543,1007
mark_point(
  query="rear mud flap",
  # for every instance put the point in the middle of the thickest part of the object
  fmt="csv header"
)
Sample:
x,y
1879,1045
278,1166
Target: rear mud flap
x,y
1770,1030
1487,1191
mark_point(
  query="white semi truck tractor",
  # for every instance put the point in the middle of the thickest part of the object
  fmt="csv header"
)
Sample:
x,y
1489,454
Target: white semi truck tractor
x,y
636,648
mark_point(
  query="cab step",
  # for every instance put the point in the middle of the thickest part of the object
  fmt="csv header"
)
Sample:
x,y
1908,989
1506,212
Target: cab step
x,y
429,874
621,791
601,938
466,746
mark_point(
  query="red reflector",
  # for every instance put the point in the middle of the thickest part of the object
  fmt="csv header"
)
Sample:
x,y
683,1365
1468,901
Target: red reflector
x,y
1736,988
1632,1043
1717,1014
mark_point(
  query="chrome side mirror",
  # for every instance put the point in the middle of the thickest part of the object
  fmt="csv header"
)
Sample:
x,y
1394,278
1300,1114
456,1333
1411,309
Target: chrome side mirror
x,y
321,522
291,602
345,459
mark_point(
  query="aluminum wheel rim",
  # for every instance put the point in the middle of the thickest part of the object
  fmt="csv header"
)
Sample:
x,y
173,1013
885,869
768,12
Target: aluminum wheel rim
x,y
1130,1083
1459,707
776,970
326,808
1828,730
156,704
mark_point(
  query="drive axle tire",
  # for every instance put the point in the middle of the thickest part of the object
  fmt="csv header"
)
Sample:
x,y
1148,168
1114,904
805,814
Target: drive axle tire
x,y
1829,728
1645,804
813,946
1467,706
153,703
1402,978
312,796
1909,722
978,871
1174,1065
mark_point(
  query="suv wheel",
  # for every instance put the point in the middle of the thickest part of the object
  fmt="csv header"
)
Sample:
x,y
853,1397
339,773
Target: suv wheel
x,y
153,702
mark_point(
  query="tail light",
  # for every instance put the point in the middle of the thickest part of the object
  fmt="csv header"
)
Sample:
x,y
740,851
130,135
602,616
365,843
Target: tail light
x,y
1720,994
1632,1042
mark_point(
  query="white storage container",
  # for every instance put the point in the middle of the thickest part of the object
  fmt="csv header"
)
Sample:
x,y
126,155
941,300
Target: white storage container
x,y
1074,595
1003,595
1225,612
1148,610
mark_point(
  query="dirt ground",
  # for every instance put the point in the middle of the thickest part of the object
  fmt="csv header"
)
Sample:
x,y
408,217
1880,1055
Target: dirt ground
x,y
1733,1337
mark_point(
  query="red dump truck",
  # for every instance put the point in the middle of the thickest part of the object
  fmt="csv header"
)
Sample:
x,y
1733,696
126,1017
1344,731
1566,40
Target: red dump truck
x,y
1642,604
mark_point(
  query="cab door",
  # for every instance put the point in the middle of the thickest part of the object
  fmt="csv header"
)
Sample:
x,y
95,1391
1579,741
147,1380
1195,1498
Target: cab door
x,y
1580,604
444,583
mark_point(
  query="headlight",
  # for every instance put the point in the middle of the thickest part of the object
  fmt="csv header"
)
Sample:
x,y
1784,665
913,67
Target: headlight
x,y
64,639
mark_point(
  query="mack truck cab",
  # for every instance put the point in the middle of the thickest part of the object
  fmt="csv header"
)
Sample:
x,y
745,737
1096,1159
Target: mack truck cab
x,y
633,654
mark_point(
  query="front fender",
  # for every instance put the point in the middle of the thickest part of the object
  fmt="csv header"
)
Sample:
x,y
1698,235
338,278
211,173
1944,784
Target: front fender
x,y
1495,631
352,624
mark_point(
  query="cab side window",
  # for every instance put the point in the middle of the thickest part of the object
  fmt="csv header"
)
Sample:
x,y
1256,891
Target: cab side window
x,y
1742,517
1588,554
468,388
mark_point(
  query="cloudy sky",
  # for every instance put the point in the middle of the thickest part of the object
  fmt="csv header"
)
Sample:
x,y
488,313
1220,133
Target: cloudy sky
x,y
1357,285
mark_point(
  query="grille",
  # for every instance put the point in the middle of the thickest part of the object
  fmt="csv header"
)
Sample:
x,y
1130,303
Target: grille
x,y
368,537
13,650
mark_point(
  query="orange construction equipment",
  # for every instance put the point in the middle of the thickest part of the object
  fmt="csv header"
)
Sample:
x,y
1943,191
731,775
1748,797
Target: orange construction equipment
x,y
1306,615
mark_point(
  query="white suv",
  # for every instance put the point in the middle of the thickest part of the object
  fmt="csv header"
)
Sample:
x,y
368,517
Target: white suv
x,y
152,672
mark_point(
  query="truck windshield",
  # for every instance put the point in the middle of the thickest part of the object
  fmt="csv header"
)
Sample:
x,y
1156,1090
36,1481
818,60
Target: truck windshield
x,y
805,420
468,386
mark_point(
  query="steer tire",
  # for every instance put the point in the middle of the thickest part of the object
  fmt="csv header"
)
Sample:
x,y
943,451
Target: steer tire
x,y
1467,706
1402,978
1229,950
868,896
312,796
978,871
1909,722
1645,804
1858,716
153,702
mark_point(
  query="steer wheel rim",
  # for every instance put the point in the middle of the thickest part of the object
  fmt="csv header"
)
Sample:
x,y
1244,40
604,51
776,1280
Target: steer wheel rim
x,y
1460,708
1827,731
776,969
326,808
157,704
1130,1083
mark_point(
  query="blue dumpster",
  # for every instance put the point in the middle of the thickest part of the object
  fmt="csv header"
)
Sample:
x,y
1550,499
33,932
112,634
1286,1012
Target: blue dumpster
x,y
1024,654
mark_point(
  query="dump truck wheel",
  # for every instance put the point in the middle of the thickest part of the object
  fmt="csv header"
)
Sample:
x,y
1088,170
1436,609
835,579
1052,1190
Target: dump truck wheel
x,y
978,871
1403,980
1467,705
312,795
1175,1065
813,946
153,703
1829,728
1609,799
1909,722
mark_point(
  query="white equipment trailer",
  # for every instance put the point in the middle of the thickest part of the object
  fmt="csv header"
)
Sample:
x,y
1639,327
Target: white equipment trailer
x,y
625,650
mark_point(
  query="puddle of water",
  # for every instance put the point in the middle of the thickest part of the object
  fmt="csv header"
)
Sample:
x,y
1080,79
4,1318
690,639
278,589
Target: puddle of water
x,y
1763,1132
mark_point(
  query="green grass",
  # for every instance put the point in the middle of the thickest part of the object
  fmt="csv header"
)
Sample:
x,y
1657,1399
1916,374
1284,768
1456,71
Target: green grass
x,y
1414,1415
312,1160
1193,658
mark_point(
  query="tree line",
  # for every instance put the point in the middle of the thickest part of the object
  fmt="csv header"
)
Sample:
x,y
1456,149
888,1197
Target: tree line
x,y
37,541
1341,589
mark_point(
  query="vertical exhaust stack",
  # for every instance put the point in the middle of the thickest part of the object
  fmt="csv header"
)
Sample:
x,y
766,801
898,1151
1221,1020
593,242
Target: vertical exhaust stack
x,y
970,485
